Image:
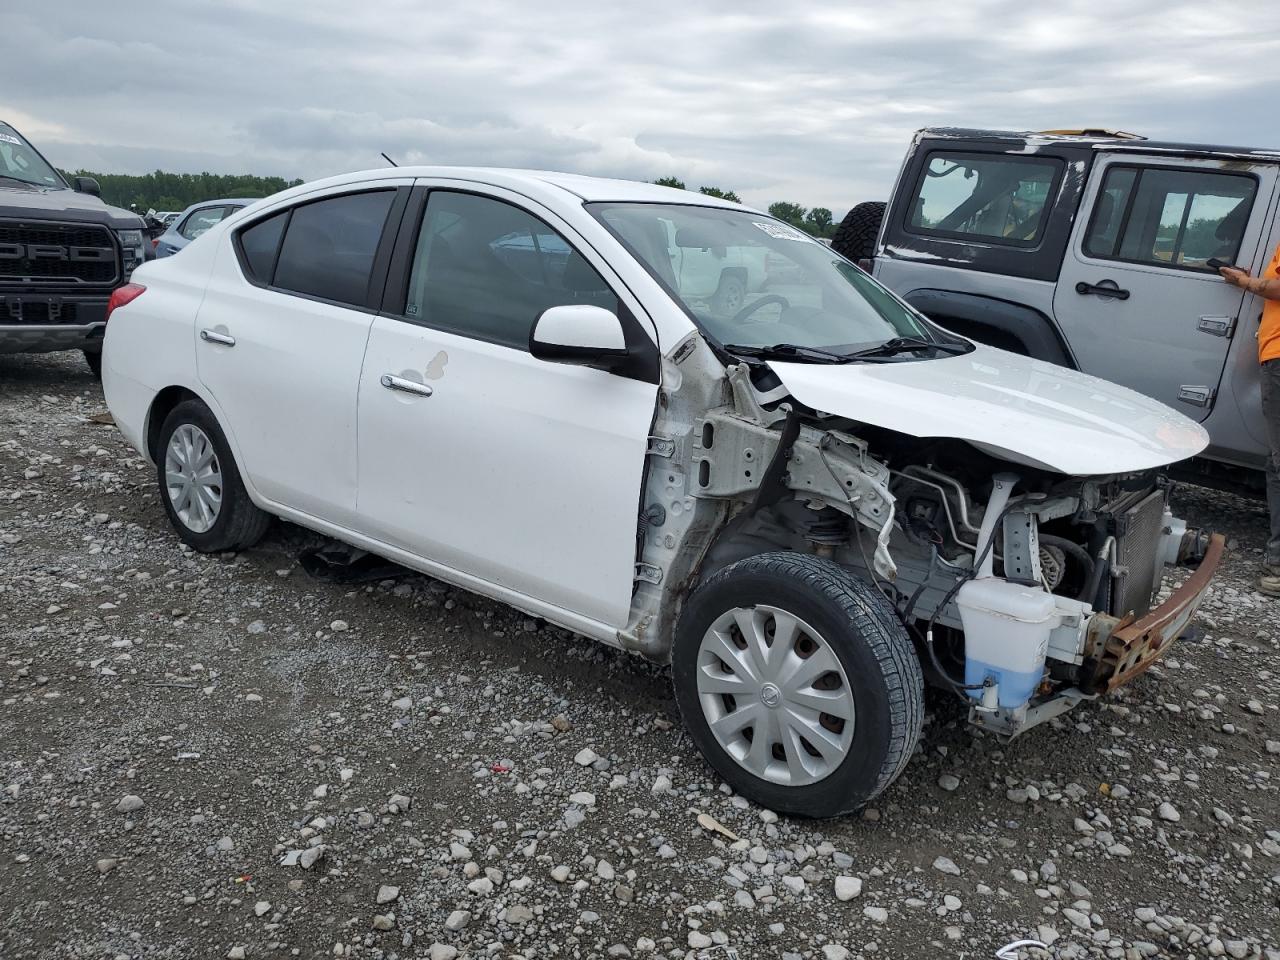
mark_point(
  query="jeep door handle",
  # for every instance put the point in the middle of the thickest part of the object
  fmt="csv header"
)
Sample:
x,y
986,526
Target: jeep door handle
x,y
213,336
1107,288
405,386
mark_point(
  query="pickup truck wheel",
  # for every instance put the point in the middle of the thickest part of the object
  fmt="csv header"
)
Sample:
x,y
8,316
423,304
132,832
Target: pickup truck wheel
x,y
798,683
727,300
200,485
855,238
94,359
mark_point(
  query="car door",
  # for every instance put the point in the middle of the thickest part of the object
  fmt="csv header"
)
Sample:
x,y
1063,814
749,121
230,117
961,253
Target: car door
x,y
280,341
1136,299
474,454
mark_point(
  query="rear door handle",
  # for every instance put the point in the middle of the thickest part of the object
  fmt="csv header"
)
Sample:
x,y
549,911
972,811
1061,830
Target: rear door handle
x,y
405,386
1104,288
213,336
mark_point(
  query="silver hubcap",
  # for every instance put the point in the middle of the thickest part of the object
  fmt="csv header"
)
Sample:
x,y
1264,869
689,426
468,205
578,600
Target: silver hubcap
x,y
775,695
193,478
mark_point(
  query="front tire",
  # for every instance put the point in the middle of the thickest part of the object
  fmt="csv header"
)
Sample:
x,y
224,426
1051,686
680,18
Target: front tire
x,y
855,238
798,683
94,359
200,485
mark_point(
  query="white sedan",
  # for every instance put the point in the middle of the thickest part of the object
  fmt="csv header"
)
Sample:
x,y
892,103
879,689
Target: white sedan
x,y
806,497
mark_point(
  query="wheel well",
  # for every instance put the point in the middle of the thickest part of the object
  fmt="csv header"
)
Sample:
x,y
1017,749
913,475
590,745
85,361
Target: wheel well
x,y
165,401
1011,326
984,334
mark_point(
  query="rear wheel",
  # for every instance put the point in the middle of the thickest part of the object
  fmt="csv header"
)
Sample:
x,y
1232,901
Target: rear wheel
x,y
200,485
855,238
94,359
798,683
729,296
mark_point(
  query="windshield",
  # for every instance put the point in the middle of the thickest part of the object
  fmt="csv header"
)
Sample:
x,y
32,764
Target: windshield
x,y
19,161
749,280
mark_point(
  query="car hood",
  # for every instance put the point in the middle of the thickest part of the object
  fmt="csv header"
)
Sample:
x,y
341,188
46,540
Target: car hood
x,y
42,203
1020,409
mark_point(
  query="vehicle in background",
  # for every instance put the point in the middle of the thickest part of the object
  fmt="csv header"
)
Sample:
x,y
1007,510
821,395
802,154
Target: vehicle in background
x,y
62,254
168,216
1094,250
805,503
194,221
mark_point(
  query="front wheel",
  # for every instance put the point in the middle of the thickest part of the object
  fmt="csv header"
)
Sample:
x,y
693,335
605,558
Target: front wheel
x,y
94,359
200,485
798,683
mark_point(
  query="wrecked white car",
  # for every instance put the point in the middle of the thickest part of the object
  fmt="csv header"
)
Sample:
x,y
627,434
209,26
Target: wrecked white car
x,y
806,497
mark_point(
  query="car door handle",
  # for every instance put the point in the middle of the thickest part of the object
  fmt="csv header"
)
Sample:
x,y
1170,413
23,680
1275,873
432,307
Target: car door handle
x,y
405,386
1107,288
213,336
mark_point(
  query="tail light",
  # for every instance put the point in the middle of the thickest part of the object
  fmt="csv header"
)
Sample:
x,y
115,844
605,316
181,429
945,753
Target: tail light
x,y
122,295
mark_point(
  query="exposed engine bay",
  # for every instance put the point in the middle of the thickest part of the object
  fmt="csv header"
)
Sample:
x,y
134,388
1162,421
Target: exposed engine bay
x,y
1013,581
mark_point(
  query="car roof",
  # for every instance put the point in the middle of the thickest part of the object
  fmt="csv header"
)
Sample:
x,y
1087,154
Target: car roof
x,y
534,183
1102,140
242,201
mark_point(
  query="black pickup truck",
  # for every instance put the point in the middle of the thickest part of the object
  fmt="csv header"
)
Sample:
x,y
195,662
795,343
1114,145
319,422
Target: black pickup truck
x,y
62,253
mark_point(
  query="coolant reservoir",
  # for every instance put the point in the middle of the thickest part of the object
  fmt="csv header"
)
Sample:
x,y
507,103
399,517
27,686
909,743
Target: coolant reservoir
x,y
1006,634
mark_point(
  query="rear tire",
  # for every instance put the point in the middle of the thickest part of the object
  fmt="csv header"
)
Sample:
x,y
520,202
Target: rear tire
x,y
729,296
94,359
200,485
845,650
855,238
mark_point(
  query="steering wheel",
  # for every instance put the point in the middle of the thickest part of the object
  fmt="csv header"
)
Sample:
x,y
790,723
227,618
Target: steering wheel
x,y
751,308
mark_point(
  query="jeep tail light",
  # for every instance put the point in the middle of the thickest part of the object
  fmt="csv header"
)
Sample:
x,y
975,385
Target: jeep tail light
x,y
122,295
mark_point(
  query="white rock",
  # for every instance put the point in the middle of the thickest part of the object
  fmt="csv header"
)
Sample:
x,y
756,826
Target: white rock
x,y
261,907
604,870
583,798
1167,811
948,782
699,940
834,951
129,803
586,757
442,951
661,785
848,887
482,886
457,920
387,894
339,626
875,914
946,865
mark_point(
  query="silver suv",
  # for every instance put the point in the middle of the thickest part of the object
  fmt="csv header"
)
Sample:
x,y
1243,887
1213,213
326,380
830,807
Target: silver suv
x,y
1092,250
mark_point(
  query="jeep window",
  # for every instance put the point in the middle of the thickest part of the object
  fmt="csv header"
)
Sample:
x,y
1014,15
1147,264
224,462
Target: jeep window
x,y
999,198
329,246
788,288
1169,217
486,269
201,220
20,161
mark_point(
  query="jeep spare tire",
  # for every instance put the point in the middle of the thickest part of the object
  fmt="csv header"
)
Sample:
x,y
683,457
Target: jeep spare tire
x,y
855,238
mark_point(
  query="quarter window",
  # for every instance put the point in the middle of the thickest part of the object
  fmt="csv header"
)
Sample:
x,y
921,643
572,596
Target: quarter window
x,y
259,244
486,269
998,198
1170,218
201,220
329,247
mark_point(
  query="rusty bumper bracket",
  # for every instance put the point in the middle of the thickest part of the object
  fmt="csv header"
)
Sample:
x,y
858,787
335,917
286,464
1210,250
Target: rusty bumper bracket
x,y
1134,645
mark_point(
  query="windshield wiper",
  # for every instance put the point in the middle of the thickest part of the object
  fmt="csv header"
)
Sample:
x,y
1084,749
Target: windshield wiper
x,y
908,345
788,351
29,183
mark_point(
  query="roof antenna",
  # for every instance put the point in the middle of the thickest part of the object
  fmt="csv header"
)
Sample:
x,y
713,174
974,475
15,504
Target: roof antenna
x,y
389,160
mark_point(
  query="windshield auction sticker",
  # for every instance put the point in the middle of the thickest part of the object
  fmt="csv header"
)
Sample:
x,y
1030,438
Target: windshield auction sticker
x,y
780,232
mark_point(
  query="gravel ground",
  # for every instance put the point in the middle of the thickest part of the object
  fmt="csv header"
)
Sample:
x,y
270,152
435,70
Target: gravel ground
x,y
221,757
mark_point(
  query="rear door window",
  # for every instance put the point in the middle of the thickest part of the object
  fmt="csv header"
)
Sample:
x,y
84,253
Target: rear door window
x,y
330,244
997,198
258,245
485,268
1168,217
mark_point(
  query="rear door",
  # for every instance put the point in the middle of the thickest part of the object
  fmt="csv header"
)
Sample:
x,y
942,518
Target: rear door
x,y
281,337
1136,299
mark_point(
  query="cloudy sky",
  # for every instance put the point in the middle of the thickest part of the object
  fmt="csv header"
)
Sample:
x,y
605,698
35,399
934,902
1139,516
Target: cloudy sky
x,y
814,104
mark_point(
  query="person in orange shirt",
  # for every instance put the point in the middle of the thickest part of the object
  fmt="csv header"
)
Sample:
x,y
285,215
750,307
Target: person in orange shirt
x,y
1267,287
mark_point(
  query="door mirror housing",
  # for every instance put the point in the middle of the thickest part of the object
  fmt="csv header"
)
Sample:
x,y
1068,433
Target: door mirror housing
x,y
578,333
87,185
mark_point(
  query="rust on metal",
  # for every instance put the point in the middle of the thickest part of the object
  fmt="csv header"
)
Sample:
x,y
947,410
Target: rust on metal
x,y
1134,646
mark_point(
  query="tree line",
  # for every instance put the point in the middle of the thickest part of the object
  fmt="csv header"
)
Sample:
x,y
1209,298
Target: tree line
x,y
817,222
177,191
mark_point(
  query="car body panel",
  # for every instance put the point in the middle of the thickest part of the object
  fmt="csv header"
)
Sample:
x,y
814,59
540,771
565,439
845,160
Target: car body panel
x,y
1027,410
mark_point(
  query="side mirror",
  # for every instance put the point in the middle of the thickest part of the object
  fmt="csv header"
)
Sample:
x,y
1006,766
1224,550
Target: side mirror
x,y
577,333
87,185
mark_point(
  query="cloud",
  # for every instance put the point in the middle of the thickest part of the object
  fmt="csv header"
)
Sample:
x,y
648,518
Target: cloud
x,y
813,103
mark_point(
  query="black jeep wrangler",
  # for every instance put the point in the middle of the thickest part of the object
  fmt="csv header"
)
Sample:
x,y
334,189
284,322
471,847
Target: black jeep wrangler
x,y
62,252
